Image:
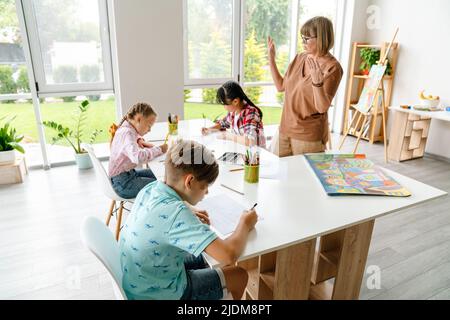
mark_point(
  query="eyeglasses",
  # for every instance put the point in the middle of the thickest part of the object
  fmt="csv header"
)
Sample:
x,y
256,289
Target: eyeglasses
x,y
306,39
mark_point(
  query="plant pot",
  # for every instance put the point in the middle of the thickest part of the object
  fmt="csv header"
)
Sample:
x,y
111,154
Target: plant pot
x,y
365,72
7,157
83,161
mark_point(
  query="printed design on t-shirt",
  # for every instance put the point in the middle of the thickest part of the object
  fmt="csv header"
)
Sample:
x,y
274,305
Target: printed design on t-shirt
x,y
156,253
154,242
179,224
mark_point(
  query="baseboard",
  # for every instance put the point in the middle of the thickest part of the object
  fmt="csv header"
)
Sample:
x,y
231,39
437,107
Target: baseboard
x,y
437,157
62,164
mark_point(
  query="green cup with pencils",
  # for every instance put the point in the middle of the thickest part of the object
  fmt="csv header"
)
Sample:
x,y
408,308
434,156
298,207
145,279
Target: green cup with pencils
x,y
251,167
251,173
173,124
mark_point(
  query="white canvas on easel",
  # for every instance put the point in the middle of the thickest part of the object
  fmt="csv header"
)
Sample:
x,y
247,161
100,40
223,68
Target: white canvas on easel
x,y
370,89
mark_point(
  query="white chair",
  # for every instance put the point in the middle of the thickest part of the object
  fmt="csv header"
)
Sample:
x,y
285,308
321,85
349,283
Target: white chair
x,y
100,241
105,183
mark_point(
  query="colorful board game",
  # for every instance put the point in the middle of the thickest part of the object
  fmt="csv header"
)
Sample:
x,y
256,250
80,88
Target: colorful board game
x,y
353,175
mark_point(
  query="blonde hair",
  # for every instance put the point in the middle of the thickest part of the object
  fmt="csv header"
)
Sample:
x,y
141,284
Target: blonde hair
x,y
139,108
322,28
190,157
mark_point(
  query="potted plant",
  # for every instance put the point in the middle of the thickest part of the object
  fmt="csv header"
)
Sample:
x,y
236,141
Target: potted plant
x,y
370,57
74,137
9,143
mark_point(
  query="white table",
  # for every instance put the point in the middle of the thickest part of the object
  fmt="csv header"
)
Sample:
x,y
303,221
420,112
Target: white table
x,y
281,252
409,133
438,115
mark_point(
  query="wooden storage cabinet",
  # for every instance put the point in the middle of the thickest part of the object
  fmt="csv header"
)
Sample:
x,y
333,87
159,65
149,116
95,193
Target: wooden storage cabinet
x,y
408,137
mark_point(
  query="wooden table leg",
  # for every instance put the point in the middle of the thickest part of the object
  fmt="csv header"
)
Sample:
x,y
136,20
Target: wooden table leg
x,y
352,261
327,258
293,271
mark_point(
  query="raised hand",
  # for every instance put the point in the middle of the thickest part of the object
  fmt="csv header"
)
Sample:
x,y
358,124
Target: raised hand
x,y
315,70
271,48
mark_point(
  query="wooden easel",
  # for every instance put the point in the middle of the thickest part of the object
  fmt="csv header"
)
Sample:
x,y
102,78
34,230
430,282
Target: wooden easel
x,y
356,127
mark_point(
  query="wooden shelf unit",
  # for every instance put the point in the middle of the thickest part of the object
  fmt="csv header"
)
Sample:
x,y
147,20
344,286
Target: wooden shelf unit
x,y
356,84
409,136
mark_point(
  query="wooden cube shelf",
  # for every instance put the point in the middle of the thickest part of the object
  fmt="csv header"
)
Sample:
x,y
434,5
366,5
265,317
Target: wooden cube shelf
x,y
408,137
14,172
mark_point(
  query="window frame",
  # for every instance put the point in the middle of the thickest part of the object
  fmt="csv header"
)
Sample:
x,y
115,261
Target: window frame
x,y
59,90
238,71
235,67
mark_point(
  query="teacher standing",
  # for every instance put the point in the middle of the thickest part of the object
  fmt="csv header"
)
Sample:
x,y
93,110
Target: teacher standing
x,y
310,84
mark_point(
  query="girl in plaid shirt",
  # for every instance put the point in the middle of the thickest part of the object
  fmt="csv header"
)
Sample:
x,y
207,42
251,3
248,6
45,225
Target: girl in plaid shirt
x,y
244,118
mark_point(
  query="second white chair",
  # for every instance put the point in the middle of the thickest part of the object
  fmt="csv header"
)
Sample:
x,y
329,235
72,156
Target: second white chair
x,y
106,185
100,241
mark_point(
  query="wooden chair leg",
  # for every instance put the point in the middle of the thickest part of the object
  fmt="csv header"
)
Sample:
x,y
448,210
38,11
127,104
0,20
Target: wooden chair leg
x,y
110,213
119,220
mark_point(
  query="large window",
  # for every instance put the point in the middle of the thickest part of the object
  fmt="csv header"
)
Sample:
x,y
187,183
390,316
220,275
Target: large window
x,y
69,45
220,35
209,41
262,19
63,46
15,94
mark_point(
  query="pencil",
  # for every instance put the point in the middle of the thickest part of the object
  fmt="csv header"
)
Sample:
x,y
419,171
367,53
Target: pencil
x,y
241,193
235,170
167,137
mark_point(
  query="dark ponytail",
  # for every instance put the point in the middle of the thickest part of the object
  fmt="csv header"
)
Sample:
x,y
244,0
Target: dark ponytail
x,y
232,90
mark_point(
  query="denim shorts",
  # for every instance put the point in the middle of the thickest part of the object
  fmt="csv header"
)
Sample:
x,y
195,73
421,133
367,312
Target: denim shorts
x,y
203,283
128,184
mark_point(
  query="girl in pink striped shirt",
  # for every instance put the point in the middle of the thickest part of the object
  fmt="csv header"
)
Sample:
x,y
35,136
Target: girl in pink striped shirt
x,y
129,149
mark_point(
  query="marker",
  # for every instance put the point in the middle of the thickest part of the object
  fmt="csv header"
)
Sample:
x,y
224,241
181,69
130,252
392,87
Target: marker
x,y
254,206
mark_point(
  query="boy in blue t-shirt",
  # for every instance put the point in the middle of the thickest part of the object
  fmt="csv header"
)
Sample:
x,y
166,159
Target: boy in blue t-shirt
x,y
163,239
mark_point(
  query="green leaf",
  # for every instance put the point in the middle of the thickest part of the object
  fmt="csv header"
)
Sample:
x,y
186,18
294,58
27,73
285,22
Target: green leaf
x,y
17,147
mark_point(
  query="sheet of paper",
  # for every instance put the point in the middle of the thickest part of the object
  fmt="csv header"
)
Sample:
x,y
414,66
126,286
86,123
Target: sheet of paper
x,y
224,213
271,171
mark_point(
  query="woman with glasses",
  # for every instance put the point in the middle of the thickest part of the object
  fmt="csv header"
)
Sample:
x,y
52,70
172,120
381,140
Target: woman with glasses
x,y
310,84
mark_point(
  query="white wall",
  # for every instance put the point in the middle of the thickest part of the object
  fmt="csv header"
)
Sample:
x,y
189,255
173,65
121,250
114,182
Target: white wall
x,y
148,39
354,30
424,57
